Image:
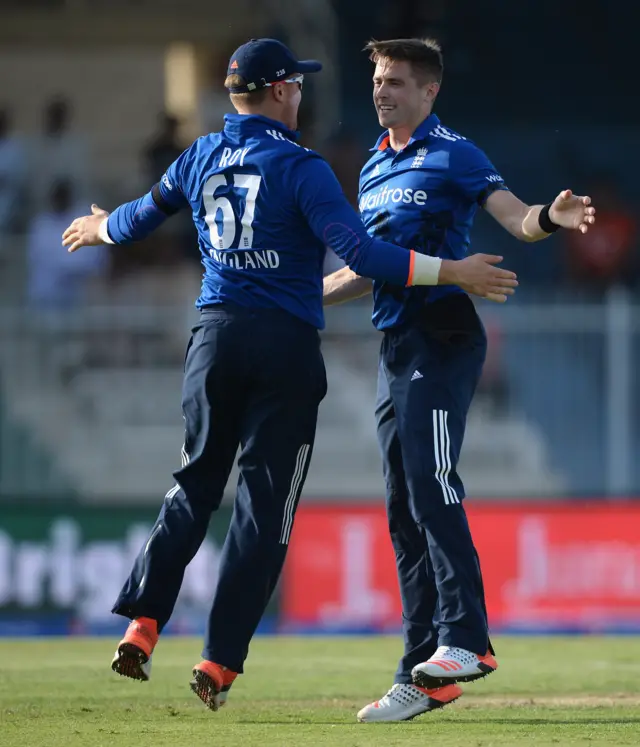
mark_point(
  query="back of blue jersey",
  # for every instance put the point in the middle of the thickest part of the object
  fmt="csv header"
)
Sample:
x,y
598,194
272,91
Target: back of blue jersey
x,y
423,197
257,247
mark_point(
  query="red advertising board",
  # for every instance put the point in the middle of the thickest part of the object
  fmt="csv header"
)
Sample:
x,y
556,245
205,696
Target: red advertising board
x,y
564,565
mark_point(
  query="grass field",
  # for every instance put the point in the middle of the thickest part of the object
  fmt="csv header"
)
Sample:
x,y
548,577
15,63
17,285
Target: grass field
x,y
552,691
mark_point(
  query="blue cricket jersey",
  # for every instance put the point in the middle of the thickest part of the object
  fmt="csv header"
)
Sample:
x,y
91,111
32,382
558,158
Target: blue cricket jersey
x,y
423,197
265,209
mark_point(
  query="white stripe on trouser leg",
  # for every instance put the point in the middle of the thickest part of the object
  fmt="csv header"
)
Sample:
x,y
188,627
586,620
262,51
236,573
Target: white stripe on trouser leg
x,y
447,459
155,531
290,505
172,492
436,453
185,458
443,462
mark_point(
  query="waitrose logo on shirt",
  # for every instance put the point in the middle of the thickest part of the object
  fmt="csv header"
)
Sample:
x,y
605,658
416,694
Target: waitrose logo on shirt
x,y
385,195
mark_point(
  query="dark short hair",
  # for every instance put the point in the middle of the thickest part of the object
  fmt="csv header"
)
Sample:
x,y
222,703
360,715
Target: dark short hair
x,y
424,56
249,97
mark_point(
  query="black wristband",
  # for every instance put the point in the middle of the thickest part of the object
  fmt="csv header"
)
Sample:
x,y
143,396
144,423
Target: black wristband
x,y
162,205
545,222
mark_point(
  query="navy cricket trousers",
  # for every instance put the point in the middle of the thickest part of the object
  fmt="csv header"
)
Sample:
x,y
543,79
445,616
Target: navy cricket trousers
x,y
253,378
427,377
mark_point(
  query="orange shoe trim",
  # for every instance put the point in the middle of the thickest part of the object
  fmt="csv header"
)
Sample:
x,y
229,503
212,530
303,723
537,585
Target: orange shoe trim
x,y
221,676
228,677
142,633
489,660
447,664
442,694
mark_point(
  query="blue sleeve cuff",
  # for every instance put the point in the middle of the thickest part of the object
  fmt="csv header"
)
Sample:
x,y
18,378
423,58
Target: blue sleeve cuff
x,y
135,220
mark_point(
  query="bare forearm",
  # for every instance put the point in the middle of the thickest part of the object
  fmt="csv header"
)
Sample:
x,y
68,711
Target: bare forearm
x,y
344,285
520,219
524,224
530,227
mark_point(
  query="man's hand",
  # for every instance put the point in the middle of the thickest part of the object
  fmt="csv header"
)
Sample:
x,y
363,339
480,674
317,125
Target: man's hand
x,y
84,231
478,275
573,212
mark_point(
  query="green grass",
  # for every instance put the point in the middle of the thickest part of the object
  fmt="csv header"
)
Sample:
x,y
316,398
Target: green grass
x,y
555,691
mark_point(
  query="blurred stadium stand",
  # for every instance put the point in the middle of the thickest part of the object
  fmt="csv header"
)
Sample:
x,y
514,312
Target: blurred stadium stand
x,y
91,359
557,411
98,387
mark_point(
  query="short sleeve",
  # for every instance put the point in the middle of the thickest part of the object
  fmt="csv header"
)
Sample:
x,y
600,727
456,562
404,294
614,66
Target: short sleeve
x,y
475,176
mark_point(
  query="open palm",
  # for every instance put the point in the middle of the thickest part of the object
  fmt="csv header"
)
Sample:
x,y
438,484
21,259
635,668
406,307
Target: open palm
x,y
85,231
571,211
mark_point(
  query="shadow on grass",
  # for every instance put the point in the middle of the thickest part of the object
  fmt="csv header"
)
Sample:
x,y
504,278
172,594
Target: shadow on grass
x,y
416,723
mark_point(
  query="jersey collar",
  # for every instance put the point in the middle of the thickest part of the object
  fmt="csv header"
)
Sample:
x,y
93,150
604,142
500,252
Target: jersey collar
x,y
422,131
237,121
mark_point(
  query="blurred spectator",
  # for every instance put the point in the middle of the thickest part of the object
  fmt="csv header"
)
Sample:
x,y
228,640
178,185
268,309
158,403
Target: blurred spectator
x,y
213,98
176,239
57,279
607,254
62,154
12,174
163,148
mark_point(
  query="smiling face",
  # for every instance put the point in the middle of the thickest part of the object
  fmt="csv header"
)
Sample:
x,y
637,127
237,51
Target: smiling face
x,y
401,98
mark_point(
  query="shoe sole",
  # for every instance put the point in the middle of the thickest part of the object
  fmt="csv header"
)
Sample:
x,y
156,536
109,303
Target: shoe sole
x,y
422,679
129,661
205,688
433,705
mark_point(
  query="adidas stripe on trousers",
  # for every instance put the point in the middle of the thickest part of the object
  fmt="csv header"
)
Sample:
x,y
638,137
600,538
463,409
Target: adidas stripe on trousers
x,y
253,379
427,376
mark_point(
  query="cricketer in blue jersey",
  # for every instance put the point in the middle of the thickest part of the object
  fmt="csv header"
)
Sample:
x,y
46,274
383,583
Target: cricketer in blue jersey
x,y
265,209
421,189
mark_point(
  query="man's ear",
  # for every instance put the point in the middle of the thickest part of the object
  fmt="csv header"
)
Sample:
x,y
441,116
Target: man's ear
x,y
277,91
432,91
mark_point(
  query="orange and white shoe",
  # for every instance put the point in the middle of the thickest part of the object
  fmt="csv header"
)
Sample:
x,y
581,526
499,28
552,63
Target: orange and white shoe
x,y
404,702
133,655
450,664
211,683
224,694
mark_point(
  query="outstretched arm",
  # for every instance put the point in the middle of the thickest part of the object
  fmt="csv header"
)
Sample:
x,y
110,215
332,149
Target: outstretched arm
x,y
132,221
337,225
476,274
345,285
85,231
535,222
135,220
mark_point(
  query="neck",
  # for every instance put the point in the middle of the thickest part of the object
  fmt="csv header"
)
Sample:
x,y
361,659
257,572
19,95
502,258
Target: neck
x,y
263,112
400,136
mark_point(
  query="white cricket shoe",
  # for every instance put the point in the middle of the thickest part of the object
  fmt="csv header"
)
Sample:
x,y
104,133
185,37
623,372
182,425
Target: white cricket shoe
x,y
404,702
221,697
450,664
